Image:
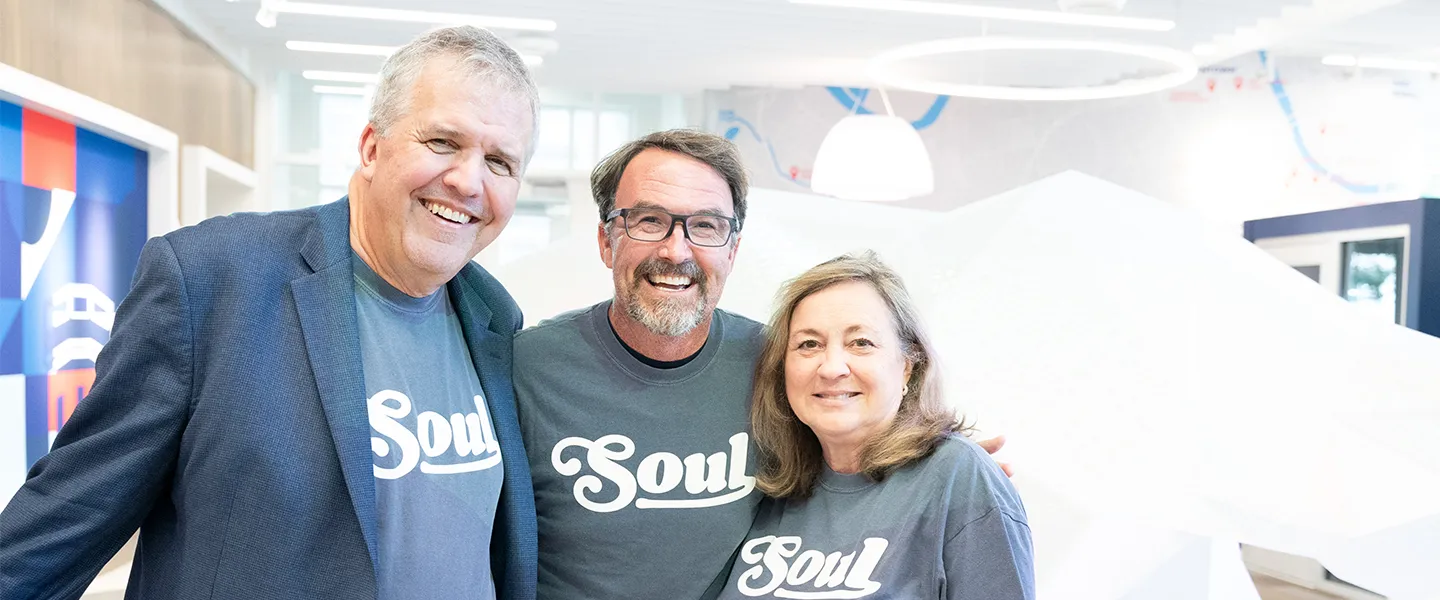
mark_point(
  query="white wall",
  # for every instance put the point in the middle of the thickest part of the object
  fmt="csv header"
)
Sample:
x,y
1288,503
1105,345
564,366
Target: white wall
x,y
1222,143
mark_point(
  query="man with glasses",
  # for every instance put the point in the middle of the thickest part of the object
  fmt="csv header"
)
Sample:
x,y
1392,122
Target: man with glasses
x,y
635,411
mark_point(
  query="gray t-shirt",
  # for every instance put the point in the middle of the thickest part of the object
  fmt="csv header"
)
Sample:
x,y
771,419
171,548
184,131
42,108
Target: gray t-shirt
x,y
947,526
437,463
644,477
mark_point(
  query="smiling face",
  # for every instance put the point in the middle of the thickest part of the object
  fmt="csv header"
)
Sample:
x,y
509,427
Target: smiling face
x,y
844,365
441,183
671,286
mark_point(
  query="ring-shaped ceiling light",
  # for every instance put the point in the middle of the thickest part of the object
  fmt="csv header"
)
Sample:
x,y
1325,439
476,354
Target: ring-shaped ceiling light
x,y
882,69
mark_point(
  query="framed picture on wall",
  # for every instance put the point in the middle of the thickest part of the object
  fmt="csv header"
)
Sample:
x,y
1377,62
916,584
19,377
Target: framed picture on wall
x,y
73,218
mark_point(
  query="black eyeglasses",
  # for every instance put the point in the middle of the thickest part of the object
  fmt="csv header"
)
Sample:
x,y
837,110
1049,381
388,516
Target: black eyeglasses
x,y
654,225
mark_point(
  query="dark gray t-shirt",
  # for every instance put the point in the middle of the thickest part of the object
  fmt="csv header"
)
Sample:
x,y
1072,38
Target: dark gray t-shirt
x,y
437,463
949,526
644,477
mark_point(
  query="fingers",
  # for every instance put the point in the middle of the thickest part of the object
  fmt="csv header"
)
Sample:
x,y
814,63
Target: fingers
x,y
993,445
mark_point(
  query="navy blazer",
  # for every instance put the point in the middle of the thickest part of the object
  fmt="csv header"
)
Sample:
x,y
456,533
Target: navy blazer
x,y
228,423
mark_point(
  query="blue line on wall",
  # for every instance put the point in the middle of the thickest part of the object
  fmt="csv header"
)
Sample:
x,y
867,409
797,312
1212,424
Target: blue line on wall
x,y
1277,86
850,97
729,116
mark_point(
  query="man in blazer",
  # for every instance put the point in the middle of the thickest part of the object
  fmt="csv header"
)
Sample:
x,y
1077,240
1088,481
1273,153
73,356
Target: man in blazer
x,y
317,403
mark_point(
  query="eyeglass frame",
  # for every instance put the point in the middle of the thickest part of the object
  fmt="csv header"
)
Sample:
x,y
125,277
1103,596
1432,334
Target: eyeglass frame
x,y
674,218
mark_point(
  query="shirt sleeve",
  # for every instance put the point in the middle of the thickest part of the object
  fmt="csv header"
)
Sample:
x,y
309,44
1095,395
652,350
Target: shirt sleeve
x,y
115,455
990,558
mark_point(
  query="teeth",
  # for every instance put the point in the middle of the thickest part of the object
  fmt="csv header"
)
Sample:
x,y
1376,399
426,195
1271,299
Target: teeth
x,y
448,214
674,280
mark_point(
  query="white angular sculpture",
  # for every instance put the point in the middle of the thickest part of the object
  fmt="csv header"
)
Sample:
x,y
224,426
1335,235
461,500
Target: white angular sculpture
x,y
1166,391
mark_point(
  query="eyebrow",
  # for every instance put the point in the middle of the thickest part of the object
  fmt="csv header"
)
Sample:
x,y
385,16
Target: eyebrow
x,y
442,131
510,157
809,331
447,131
704,211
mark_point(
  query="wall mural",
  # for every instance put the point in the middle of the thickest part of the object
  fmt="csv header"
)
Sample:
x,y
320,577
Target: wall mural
x,y
1256,136
72,223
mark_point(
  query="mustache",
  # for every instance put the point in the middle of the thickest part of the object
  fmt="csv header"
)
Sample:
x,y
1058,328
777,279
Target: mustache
x,y
655,266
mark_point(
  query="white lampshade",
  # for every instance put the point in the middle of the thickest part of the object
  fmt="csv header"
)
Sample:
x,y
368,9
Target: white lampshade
x,y
876,158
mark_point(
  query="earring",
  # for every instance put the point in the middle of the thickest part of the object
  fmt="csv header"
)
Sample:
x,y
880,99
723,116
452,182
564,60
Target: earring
x,y
904,389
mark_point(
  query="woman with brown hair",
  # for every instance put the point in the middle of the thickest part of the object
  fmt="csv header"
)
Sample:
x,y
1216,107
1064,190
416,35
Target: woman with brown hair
x,y
873,489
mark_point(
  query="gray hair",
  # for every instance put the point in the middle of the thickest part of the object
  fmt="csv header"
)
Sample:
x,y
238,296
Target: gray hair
x,y
476,49
716,151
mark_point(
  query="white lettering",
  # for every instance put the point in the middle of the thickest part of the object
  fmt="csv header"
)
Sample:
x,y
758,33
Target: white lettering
x,y
433,436
663,462
772,560
657,473
81,302
813,569
601,460
487,433
699,479
384,420
74,349
434,433
466,428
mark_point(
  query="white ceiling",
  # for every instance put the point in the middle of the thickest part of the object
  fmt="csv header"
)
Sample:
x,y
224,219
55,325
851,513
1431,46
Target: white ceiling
x,y
689,45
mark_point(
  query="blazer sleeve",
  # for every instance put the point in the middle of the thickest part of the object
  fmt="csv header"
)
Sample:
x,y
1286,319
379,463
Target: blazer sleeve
x,y
116,454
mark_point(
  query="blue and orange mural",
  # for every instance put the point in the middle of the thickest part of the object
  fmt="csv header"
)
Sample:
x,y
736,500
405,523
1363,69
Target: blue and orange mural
x,y
72,223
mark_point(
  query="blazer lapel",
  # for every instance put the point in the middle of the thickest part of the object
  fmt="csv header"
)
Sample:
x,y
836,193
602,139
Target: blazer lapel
x,y
326,303
489,350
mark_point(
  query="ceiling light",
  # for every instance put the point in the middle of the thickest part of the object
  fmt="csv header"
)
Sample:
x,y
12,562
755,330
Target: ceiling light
x,y
273,7
266,15
1184,63
999,13
532,60
341,90
874,158
1376,62
341,76
341,48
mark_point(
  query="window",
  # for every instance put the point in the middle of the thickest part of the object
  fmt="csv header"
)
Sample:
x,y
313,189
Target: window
x,y
1372,271
341,120
575,138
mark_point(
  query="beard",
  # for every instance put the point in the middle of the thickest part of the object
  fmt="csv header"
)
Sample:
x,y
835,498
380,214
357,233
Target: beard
x,y
667,316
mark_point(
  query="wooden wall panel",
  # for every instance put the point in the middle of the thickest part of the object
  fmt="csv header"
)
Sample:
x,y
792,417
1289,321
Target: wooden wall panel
x,y
132,55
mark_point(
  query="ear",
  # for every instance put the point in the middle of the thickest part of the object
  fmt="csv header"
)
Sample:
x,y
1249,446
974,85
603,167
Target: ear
x,y
607,251
735,247
369,151
909,367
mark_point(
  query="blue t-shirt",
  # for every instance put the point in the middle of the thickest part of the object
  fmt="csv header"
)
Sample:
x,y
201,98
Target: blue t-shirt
x,y
644,482
949,526
437,462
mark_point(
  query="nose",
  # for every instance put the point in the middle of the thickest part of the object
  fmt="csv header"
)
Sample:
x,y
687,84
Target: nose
x,y
676,248
835,363
467,177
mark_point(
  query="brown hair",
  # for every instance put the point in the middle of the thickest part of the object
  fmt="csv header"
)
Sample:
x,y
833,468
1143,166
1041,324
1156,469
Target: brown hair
x,y
711,149
790,457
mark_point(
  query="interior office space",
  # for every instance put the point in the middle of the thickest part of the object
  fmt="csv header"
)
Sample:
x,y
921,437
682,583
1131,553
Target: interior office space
x,y
1204,232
